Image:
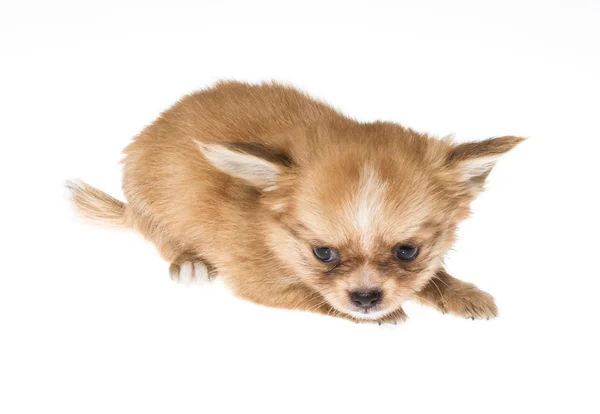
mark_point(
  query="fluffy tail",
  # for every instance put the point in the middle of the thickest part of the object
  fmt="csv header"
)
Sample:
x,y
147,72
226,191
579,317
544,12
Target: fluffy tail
x,y
96,205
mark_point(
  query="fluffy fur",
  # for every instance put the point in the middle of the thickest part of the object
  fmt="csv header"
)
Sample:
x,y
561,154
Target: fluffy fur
x,y
242,182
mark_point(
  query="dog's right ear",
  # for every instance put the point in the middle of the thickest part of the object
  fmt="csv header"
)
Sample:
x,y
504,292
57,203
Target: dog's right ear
x,y
254,163
471,162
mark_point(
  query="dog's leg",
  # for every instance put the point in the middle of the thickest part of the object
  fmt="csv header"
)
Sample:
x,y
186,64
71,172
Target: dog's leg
x,y
190,269
450,295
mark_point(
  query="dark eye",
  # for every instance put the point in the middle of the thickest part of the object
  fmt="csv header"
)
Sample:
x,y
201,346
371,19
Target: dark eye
x,y
325,254
406,253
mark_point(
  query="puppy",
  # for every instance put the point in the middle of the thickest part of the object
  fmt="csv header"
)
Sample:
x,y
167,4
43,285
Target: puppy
x,y
297,206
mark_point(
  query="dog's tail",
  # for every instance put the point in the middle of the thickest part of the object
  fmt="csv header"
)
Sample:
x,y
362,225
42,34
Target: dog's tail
x,y
96,205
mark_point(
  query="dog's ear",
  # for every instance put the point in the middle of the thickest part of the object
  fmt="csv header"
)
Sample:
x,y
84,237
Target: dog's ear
x,y
470,163
254,163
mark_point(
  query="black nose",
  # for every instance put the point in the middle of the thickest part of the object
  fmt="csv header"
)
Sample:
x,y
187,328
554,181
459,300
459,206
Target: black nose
x,y
366,300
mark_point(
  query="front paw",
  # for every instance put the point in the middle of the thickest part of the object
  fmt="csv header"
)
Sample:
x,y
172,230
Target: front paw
x,y
190,273
471,303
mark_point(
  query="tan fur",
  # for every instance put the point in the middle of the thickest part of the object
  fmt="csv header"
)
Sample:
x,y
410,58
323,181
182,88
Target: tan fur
x,y
248,178
96,205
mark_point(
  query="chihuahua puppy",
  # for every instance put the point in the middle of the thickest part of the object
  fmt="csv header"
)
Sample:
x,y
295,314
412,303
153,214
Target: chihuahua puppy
x,y
297,206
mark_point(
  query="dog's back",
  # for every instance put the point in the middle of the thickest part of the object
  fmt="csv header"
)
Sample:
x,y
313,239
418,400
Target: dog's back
x,y
172,191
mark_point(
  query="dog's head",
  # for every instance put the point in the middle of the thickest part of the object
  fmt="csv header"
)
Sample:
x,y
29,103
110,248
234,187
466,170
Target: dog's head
x,y
362,213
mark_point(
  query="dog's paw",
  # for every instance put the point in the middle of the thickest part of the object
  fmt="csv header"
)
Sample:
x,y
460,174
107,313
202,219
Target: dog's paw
x,y
471,304
190,273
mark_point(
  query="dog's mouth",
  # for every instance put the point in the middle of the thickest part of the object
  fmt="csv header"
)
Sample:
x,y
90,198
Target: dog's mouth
x,y
368,314
372,313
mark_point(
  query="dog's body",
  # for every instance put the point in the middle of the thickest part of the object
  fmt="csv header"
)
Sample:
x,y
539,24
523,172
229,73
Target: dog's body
x,y
242,181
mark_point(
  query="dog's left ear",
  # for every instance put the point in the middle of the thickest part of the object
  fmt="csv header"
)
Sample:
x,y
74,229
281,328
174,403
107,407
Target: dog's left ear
x,y
472,162
257,165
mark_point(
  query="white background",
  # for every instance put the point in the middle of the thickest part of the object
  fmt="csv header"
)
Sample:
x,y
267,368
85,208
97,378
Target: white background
x,y
91,323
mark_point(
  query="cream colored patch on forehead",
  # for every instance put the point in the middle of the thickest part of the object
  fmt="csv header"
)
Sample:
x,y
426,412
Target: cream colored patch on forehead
x,y
366,206
365,211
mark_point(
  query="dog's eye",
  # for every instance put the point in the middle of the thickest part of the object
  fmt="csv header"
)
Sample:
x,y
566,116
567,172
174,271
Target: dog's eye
x,y
406,253
325,254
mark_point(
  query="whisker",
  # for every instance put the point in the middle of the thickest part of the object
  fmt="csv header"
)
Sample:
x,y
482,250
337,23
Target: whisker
x,y
440,279
438,289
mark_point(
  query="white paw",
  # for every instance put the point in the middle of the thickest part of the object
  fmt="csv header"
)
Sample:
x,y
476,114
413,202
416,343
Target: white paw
x,y
190,273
